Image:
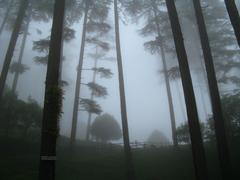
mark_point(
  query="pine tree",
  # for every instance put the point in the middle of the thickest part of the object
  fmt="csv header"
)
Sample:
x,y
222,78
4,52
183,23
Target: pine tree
x,y
12,44
96,13
79,75
198,151
20,58
8,10
127,148
220,129
53,97
103,72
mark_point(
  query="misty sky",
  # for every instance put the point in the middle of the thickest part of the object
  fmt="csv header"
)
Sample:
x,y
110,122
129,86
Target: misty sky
x,y
146,96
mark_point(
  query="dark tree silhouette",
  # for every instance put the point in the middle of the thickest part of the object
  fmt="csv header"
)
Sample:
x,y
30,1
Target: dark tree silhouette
x,y
234,17
198,151
12,44
105,127
219,121
19,63
53,97
127,148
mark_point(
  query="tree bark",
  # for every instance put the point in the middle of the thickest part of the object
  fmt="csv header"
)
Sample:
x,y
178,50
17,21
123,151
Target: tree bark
x,y
220,129
79,76
6,16
167,82
234,17
198,151
16,76
127,149
12,44
53,97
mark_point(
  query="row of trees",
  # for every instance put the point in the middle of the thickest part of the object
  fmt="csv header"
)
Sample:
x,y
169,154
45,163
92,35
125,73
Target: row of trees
x,y
97,12
230,103
18,116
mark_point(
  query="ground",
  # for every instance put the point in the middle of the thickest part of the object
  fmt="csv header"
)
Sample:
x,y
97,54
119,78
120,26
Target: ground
x,y
91,161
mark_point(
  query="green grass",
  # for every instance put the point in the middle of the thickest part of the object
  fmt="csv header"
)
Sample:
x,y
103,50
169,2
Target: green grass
x,y
91,161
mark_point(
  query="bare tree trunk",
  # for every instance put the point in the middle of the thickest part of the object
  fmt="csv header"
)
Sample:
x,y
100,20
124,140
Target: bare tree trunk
x,y
234,17
92,97
167,82
6,16
16,76
53,97
12,44
79,76
220,129
198,151
181,100
127,148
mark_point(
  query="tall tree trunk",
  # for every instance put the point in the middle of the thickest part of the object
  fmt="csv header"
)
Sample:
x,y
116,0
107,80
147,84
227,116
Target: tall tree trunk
x,y
234,17
198,151
167,82
127,148
12,44
92,97
16,76
219,121
53,97
79,76
178,88
6,16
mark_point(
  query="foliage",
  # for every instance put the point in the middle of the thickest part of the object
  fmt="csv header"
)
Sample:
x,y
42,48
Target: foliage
x,y
91,106
41,60
41,45
68,34
30,115
101,27
18,114
223,42
20,68
174,73
157,138
97,89
230,103
54,96
183,135
104,73
105,127
102,44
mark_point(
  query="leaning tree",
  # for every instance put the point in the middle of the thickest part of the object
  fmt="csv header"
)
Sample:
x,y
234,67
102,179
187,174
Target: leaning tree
x,y
8,58
219,121
198,151
234,17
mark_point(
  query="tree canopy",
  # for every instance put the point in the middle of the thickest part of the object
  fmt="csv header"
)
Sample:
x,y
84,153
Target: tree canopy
x,y
105,127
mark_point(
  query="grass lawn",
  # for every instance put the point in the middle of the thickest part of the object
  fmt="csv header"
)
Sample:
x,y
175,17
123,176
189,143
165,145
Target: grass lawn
x,y
91,161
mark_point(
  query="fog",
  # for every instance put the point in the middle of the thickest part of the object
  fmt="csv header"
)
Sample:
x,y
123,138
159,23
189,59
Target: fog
x,y
146,94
